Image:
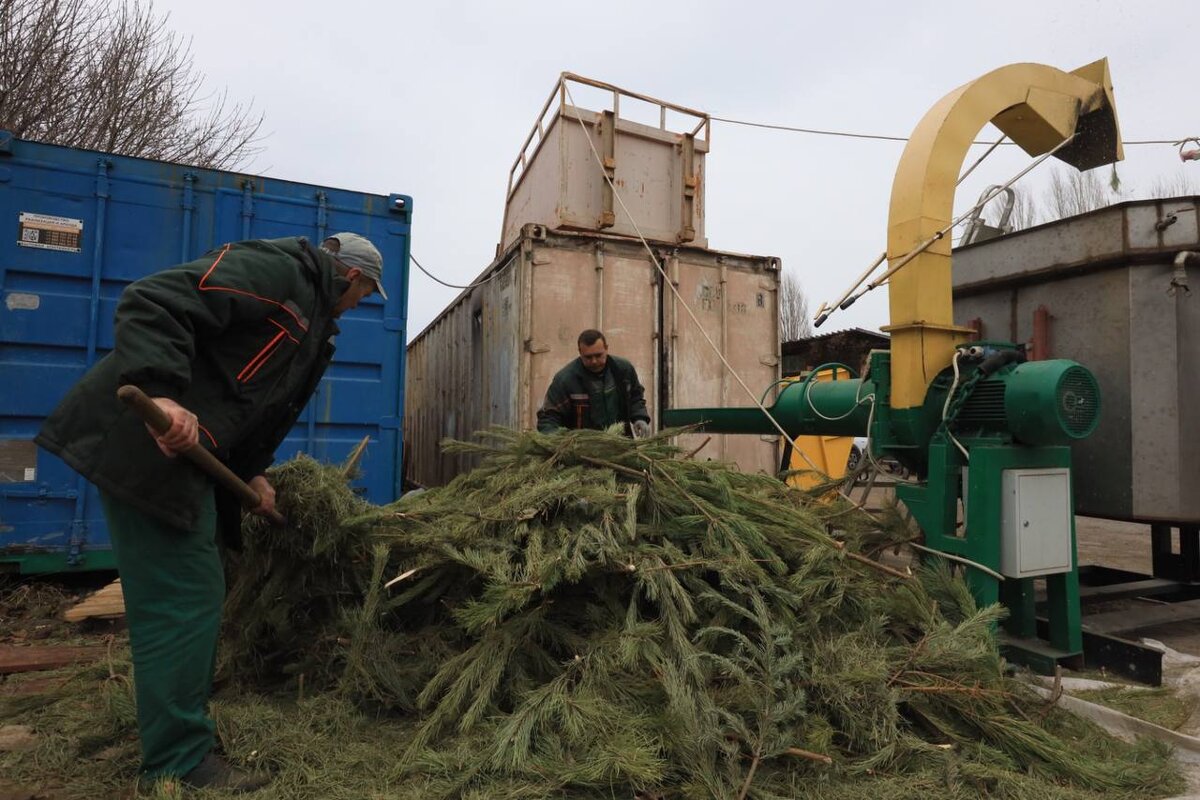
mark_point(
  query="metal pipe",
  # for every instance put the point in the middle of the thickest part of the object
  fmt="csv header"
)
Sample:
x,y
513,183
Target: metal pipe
x,y
310,424
1040,344
102,167
723,310
525,328
691,112
1179,278
599,251
656,392
824,312
322,216
520,159
724,285
189,205
674,361
247,207
829,408
79,526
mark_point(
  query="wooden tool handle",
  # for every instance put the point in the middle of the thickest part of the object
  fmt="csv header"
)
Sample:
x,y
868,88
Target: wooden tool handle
x,y
160,421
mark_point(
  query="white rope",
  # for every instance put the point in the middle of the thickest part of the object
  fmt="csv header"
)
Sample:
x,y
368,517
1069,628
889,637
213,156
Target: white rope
x,y
951,557
946,406
436,279
671,285
979,160
871,456
858,401
885,138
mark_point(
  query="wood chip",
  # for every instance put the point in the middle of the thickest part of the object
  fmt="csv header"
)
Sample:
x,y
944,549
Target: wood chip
x,y
400,577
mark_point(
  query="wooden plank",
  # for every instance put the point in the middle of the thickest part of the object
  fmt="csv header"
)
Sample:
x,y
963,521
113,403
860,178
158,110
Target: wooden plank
x,y
350,466
24,687
108,602
33,659
1142,616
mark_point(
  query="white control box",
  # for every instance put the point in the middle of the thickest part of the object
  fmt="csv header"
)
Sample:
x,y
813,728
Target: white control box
x,y
1035,522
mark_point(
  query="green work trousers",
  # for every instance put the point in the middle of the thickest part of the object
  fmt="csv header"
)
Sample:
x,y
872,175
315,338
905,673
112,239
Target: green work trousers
x,y
174,586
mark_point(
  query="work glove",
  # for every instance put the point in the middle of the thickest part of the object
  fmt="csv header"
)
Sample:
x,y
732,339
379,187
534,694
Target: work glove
x,y
641,428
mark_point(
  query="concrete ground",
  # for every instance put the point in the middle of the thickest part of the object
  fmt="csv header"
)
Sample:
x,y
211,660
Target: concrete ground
x,y
1126,545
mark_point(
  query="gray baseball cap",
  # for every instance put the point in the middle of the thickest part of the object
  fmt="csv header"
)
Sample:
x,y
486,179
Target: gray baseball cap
x,y
357,251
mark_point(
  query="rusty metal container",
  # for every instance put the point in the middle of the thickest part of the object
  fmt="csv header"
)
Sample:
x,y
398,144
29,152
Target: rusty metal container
x,y
1104,289
488,358
557,179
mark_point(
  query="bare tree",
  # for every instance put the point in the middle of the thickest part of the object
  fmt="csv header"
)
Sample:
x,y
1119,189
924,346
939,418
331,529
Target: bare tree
x,y
793,310
1068,194
1177,184
1072,192
109,75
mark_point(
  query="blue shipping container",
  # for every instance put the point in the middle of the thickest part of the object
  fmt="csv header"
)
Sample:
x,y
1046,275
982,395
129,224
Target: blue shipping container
x,y
76,227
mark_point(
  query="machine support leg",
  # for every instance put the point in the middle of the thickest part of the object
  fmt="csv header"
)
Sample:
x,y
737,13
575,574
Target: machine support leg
x,y
1183,566
1018,597
1189,549
934,506
1062,604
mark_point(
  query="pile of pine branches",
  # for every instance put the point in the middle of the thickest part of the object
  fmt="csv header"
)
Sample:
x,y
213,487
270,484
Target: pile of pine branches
x,y
598,616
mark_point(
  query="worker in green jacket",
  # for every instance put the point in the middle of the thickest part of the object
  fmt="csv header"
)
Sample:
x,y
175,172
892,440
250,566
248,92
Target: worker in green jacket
x,y
595,391
230,346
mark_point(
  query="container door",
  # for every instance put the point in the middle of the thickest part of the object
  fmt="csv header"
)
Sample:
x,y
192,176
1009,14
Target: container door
x,y
737,309
57,290
576,289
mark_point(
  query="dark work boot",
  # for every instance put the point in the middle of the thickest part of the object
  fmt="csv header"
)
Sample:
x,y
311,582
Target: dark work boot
x,y
214,772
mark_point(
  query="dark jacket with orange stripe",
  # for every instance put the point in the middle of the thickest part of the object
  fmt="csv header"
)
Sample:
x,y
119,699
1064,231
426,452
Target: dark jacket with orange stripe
x,y
240,337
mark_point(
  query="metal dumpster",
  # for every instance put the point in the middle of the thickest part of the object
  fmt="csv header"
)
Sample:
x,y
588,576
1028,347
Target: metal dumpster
x,y
1104,289
75,228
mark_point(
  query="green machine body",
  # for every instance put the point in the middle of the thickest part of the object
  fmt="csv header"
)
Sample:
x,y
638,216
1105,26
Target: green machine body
x,y
989,449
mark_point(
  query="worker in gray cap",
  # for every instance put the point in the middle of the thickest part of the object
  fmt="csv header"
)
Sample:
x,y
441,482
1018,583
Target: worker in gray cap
x,y
356,252
231,346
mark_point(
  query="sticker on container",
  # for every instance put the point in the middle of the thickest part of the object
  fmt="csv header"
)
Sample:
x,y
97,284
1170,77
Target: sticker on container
x,y
22,301
47,232
18,460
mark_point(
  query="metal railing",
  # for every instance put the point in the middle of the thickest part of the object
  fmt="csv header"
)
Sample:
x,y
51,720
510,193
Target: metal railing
x,y
537,134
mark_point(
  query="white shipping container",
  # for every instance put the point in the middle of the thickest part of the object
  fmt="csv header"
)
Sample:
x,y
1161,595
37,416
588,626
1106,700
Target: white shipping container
x,y
488,357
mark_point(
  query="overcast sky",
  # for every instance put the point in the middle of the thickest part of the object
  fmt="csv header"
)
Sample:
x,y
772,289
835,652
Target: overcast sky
x,y
434,99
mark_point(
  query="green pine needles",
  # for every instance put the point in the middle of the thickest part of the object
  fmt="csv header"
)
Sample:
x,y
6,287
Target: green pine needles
x,y
589,616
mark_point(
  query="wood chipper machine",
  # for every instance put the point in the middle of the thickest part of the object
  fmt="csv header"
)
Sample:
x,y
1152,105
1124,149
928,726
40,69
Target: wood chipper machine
x,y
985,431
